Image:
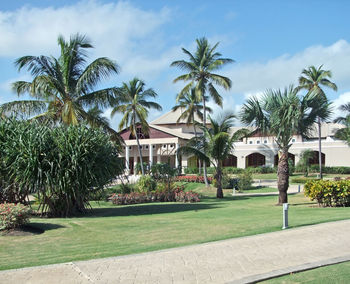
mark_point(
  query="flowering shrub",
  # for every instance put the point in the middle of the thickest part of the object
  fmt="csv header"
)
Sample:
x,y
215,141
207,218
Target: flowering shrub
x,y
199,179
329,193
174,195
13,215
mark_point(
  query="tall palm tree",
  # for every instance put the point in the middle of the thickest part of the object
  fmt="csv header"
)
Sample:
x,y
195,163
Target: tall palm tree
x,y
199,74
284,114
217,144
63,88
133,104
345,108
313,79
191,107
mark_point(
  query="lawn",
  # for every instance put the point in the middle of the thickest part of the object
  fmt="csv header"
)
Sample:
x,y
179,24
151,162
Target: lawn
x,y
332,274
110,230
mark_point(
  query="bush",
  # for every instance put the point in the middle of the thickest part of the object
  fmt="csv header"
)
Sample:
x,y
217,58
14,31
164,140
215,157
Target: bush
x,y
199,179
174,195
245,181
227,182
191,171
301,180
261,170
329,193
146,184
13,215
232,170
63,165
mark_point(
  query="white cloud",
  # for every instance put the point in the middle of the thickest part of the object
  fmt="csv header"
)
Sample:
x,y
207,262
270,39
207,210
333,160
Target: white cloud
x,y
118,30
279,72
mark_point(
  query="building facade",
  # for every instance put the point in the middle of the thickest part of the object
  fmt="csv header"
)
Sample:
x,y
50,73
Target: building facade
x,y
167,134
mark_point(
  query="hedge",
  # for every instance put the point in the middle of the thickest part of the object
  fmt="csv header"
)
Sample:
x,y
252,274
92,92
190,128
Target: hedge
x,y
329,193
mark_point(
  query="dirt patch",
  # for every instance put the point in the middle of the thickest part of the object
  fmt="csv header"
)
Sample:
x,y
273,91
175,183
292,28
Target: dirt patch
x,y
22,231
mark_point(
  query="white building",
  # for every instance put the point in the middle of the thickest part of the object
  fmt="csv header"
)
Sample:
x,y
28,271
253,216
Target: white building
x,y
166,136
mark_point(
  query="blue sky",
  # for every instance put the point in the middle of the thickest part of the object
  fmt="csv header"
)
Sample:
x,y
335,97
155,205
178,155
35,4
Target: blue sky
x,y
271,41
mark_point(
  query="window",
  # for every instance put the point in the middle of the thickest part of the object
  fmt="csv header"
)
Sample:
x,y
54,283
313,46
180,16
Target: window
x,y
265,141
164,146
171,146
130,147
250,142
293,140
154,146
146,146
258,142
141,147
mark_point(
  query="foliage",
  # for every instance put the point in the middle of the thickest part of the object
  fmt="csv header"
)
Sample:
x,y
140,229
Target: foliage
x,y
199,179
201,76
146,184
175,195
216,145
164,173
133,105
191,170
284,114
62,165
245,181
13,215
261,170
146,168
63,88
304,162
227,182
329,193
301,180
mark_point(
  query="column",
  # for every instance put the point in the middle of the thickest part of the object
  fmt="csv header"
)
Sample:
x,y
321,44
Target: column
x,y
150,147
158,154
240,161
176,157
135,158
127,155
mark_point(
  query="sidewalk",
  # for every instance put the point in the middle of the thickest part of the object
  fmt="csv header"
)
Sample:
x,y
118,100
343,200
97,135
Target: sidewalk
x,y
239,260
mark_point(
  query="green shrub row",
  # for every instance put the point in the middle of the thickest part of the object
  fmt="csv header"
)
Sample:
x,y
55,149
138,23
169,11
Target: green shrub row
x,y
232,170
325,170
329,193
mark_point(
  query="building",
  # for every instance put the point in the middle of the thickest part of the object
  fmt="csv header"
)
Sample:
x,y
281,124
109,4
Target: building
x,y
166,135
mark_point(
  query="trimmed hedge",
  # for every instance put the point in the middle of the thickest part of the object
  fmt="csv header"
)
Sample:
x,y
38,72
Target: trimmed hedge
x,y
176,195
325,170
329,193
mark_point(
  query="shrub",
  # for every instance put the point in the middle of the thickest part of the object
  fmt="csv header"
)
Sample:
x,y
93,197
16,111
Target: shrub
x,y
227,182
261,170
302,180
199,179
13,215
191,171
232,170
328,193
63,165
174,195
245,181
145,184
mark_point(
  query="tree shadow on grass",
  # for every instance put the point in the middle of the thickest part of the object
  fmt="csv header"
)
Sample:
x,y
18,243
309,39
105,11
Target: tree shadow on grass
x,y
147,209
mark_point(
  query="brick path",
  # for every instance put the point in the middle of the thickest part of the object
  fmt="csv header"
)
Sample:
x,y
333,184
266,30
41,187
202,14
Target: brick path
x,y
239,260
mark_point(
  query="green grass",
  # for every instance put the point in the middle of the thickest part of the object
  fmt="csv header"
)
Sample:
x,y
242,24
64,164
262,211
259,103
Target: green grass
x,y
260,190
110,230
333,274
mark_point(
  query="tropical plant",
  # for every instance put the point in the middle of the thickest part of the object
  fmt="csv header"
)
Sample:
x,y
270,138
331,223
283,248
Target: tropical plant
x,y
313,79
284,114
201,67
216,146
133,104
62,165
343,108
344,133
304,162
63,88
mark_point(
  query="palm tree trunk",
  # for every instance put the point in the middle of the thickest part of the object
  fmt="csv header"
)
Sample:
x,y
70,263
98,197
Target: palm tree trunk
x,y
195,135
283,177
204,162
139,148
218,177
319,146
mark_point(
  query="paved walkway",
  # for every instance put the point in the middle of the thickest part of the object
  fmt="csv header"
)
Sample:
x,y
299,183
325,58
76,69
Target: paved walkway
x,y
239,260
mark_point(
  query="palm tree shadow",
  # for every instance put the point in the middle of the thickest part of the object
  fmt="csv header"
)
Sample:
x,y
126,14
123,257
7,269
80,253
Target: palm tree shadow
x,y
147,209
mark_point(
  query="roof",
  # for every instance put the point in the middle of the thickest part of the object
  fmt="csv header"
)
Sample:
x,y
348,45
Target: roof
x,y
173,132
171,117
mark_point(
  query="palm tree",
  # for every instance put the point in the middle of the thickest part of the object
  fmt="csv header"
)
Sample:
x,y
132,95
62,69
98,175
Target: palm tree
x,y
284,114
133,104
62,88
312,79
200,76
96,118
304,162
217,144
344,133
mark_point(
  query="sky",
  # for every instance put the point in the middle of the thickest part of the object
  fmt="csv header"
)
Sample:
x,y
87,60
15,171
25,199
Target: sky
x,y
270,41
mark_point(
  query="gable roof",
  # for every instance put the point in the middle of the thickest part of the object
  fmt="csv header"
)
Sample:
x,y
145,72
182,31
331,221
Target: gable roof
x,y
171,117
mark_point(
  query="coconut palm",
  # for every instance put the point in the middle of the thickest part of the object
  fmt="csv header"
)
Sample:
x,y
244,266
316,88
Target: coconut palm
x,y
200,75
63,88
190,107
284,114
344,133
313,79
216,146
133,104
